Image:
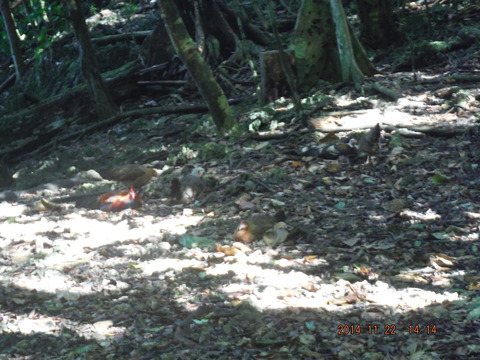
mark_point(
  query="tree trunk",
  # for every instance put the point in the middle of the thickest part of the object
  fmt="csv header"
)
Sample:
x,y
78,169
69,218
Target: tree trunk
x,y
319,55
221,28
99,92
13,38
348,66
203,76
378,25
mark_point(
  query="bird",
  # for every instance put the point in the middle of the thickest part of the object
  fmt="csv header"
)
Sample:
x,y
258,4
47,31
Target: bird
x,y
189,187
110,201
276,235
130,175
256,226
336,150
120,201
369,142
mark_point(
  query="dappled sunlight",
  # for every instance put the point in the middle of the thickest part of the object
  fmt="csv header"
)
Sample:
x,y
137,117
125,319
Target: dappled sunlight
x,y
100,331
79,236
8,210
272,289
49,281
161,266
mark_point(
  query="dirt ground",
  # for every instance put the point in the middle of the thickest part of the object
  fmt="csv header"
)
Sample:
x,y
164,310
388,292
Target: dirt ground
x,y
381,259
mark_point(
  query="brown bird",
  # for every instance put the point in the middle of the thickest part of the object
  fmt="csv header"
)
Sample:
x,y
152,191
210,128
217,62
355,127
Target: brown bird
x,y
110,201
130,175
369,142
256,225
190,187
276,235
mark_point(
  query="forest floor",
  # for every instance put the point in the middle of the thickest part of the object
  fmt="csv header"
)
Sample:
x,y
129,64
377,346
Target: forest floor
x,y
381,262
382,259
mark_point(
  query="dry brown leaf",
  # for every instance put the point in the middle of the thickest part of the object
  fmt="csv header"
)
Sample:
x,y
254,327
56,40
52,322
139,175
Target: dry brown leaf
x,y
227,250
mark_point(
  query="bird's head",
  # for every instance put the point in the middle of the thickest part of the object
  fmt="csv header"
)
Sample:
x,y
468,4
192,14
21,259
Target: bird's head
x,y
243,225
243,233
151,172
198,171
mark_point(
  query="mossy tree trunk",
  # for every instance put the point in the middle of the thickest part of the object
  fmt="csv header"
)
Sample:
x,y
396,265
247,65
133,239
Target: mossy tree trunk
x,y
326,49
13,38
186,48
99,92
348,65
378,25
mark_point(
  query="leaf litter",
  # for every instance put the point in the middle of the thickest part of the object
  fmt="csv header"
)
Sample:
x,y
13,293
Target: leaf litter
x,y
383,253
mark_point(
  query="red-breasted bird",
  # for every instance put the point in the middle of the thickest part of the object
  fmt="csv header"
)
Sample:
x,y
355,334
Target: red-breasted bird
x,y
110,201
120,201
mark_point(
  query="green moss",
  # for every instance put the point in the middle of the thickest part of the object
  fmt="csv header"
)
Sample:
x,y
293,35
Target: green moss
x,y
212,151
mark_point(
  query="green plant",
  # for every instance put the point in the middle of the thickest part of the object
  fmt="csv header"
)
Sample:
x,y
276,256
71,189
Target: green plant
x,y
210,151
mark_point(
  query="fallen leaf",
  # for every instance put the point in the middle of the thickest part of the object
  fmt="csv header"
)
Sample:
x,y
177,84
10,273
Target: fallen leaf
x,y
244,204
45,205
396,205
227,250
350,242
